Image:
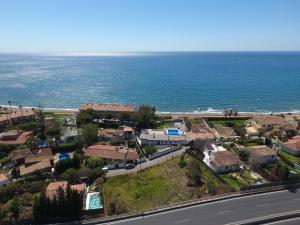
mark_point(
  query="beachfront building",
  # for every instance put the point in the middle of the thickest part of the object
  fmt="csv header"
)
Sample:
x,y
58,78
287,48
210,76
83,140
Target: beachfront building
x,y
261,155
111,153
108,109
200,132
168,136
3,180
272,125
220,160
16,117
292,146
15,137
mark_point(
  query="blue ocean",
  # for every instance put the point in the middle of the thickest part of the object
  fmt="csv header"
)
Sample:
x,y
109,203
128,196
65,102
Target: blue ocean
x,y
173,82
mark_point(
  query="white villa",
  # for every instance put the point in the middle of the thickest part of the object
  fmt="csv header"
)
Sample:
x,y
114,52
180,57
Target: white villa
x,y
220,160
167,136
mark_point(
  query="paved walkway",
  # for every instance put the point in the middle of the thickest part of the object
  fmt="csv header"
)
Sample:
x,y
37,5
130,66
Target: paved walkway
x,y
146,164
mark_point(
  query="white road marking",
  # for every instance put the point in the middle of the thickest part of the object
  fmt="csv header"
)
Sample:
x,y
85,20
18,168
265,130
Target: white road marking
x,y
297,199
261,205
225,211
182,221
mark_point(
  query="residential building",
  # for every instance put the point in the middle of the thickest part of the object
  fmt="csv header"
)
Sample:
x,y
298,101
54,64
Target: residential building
x,y
167,136
15,137
18,116
38,159
220,160
120,153
227,133
292,146
26,170
108,109
261,155
3,180
53,187
200,132
18,156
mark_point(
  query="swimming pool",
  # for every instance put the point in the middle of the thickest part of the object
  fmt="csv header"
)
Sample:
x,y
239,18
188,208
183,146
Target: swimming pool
x,y
93,201
172,132
64,156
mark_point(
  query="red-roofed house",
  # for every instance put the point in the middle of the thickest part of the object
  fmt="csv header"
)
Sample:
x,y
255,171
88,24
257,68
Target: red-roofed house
x,y
292,146
53,187
111,152
3,180
105,109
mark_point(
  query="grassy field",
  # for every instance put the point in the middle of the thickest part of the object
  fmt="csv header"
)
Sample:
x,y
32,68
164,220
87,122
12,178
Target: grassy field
x,y
289,157
158,186
225,122
164,124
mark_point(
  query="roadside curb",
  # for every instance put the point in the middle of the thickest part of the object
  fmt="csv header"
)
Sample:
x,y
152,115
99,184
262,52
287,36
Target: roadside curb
x,y
185,205
269,219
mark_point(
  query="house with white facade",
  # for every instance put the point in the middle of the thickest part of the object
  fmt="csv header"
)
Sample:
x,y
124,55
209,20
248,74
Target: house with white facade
x,y
220,160
167,136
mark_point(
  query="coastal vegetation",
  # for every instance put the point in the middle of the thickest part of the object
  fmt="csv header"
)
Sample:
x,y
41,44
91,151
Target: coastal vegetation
x,y
161,185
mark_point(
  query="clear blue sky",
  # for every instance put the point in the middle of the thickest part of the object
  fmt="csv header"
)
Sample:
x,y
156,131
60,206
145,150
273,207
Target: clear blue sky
x,y
148,25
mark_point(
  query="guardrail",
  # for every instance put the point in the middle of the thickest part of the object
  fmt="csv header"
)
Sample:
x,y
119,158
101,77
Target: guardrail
x,y
194,202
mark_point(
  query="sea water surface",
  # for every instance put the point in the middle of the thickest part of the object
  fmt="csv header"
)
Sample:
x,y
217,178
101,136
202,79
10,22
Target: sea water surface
x,y
173,82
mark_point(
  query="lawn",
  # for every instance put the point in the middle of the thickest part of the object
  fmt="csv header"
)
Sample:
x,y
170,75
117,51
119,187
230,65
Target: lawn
x,y
234,182
158,186
226,122
162,125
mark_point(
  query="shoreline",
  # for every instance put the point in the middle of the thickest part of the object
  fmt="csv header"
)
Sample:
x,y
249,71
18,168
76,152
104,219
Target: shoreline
x,y
194,114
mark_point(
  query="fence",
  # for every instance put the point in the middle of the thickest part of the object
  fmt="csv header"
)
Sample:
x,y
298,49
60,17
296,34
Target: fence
x,y
159,154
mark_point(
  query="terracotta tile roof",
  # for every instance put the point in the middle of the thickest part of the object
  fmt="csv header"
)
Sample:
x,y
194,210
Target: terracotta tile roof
x,y
3,178
108,107
23,137
127,129
42,155
260,150
225,158
19,154
78,187
26,170
17,114
52,188
293,144
225,131
111,152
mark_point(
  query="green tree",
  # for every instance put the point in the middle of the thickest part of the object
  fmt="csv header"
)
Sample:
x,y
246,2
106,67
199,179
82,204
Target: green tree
x,y
89,134
149,149
71,175
93,162
15,208
146,116
244,156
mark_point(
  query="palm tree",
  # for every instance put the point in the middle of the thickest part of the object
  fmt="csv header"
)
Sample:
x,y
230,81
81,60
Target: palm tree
x,y
9,102
21,112
5,110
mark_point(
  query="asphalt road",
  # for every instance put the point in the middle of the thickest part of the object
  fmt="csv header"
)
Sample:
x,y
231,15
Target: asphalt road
x,y
226,211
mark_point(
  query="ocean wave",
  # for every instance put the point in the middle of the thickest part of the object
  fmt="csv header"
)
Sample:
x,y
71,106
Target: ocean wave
x,y
193,112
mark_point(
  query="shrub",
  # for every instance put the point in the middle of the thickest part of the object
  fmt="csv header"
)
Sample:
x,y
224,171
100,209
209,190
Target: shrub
x,y
71,175
53,131
94,162
149,149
